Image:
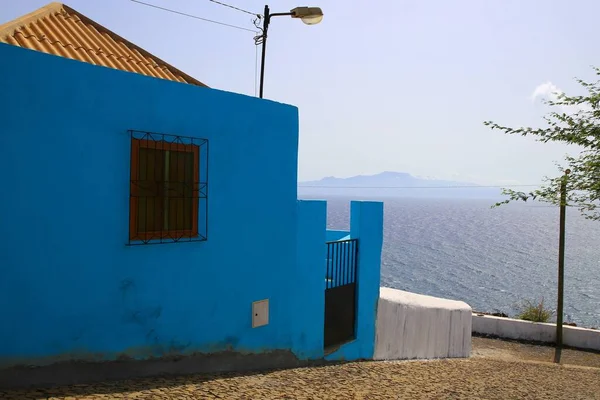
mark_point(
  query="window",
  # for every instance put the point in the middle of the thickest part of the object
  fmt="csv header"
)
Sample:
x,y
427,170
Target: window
x,y
166,191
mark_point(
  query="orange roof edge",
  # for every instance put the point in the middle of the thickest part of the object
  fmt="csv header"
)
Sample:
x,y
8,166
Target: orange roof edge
x,y
10,27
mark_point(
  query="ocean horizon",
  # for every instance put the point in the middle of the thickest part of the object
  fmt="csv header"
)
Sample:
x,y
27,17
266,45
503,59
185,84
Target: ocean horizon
x,y
493,259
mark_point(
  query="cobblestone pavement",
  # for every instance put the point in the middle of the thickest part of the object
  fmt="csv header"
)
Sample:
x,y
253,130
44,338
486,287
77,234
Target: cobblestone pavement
x,y
497,370
510,350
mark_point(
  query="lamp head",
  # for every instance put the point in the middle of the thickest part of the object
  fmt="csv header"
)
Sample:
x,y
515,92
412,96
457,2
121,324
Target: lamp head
x,y
308,15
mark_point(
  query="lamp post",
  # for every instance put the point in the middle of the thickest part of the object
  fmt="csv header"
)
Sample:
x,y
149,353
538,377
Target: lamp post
x,y
308,15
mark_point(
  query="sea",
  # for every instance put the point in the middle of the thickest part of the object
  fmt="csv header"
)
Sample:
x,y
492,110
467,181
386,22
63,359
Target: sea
x,y
494,259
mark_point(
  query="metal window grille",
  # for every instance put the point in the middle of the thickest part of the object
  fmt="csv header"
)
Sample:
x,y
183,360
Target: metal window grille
x,y
168,195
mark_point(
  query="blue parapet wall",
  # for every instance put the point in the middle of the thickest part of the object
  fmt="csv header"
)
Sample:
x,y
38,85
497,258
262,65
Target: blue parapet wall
x,y
333,235
70,288
310,302
366,225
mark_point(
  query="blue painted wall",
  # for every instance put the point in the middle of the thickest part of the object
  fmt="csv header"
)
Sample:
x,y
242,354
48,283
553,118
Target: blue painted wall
x,y
310,300
366,225
69,286
333,235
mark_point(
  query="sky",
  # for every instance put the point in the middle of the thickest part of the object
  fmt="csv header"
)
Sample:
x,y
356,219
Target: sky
x,y
386,85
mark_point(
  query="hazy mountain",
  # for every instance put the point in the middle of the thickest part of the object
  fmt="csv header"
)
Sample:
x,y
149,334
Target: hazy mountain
x,y
394,184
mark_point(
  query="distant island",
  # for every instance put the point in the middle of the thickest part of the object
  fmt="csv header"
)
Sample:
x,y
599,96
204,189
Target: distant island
x,y
395,184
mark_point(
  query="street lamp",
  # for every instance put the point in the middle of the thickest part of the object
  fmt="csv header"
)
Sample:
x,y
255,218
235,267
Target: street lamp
x,y
308,15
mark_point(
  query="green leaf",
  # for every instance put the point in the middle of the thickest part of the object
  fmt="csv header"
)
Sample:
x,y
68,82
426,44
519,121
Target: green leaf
x,y
580,128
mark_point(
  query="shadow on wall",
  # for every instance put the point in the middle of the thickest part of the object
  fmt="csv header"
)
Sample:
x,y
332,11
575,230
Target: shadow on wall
x,y
211,366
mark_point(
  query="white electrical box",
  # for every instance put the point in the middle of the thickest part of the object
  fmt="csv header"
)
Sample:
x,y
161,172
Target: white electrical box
x,y
260,313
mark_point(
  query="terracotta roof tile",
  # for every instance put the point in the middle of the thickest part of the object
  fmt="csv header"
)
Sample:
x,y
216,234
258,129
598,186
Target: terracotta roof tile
x,y
60,30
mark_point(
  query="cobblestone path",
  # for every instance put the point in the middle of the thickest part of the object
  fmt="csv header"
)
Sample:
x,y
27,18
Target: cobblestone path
x,y
497,370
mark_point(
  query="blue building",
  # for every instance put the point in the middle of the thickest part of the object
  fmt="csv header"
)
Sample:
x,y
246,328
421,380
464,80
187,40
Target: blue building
x,y
146,217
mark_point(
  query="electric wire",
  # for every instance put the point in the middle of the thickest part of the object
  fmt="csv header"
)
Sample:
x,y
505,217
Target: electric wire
x,y
255,71
414,187
260,37
233,7
256,22
194,16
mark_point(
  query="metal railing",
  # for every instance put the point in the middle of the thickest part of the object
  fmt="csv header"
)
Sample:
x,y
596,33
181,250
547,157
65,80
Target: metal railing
x,y
342,260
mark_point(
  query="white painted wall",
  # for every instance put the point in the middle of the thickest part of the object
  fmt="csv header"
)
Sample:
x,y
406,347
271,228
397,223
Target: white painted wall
x,y
509,328
413,326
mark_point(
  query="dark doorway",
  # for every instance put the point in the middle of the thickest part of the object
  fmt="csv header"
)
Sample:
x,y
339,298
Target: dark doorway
x,y
340,292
